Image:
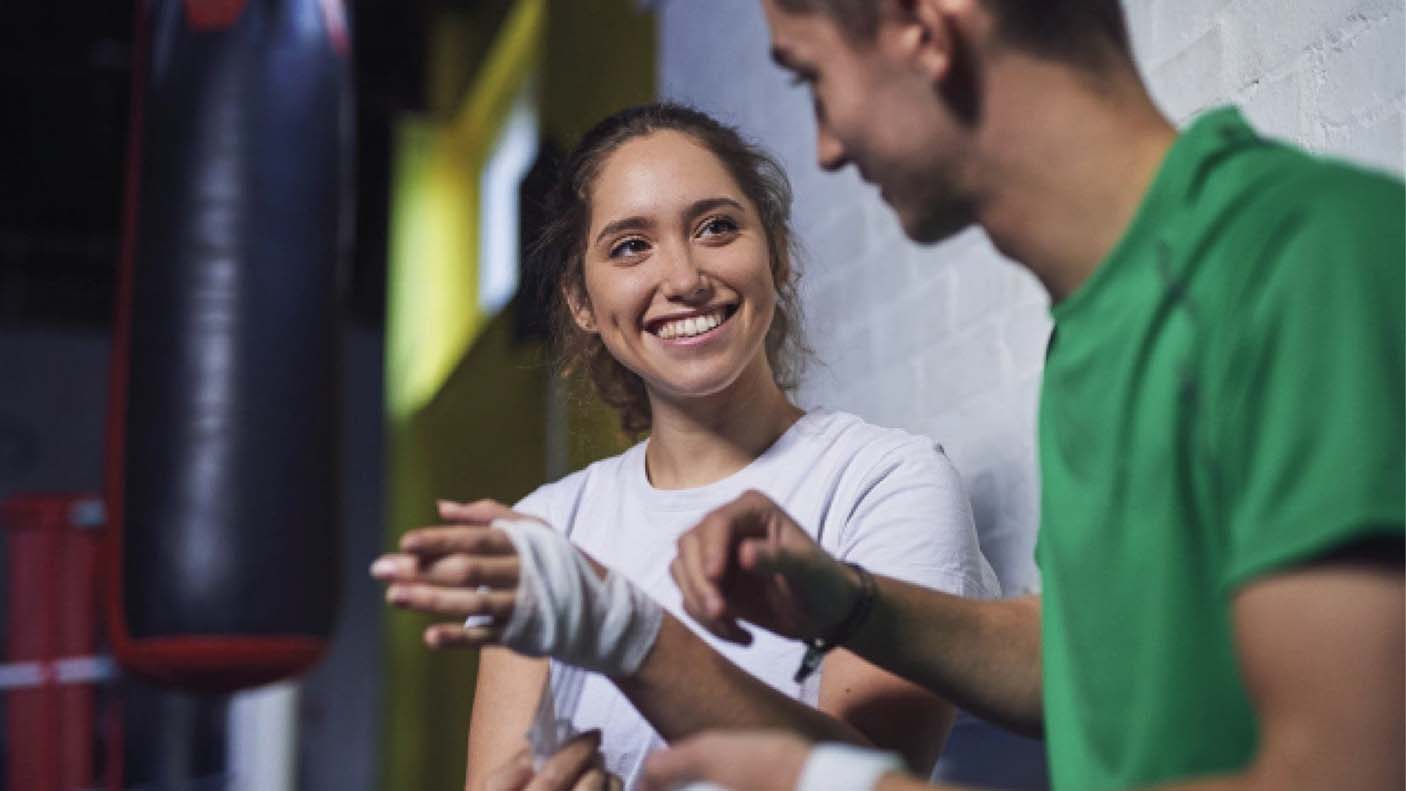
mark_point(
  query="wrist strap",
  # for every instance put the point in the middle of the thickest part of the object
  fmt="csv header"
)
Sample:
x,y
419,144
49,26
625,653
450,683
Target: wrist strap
x,y
817,647
833,766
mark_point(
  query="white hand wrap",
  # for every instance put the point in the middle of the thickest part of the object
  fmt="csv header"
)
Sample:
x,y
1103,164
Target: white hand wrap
x,y
566,611
845,766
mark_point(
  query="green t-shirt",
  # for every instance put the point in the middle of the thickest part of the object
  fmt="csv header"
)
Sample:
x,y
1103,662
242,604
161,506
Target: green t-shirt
x,y
1223,398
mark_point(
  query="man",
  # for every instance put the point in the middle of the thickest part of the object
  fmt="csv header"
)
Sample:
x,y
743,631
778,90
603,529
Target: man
x,y
1221,421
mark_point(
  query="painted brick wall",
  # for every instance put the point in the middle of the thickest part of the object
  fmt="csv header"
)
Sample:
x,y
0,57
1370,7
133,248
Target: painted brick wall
x,y
948,340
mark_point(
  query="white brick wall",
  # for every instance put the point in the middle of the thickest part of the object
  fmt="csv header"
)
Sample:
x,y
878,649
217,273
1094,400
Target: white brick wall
x,y
949,340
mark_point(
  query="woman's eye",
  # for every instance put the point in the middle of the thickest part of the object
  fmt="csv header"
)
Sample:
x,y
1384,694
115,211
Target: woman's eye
x,y
628,247
717,226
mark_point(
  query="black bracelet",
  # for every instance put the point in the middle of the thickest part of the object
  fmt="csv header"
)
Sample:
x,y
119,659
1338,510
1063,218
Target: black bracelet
x,y
817,647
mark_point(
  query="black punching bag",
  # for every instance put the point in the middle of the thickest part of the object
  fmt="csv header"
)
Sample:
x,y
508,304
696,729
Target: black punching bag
x,y
222,553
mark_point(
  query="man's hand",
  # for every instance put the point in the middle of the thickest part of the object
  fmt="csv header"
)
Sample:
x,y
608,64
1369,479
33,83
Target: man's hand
x,y
735,760
748,560
462,568
575,767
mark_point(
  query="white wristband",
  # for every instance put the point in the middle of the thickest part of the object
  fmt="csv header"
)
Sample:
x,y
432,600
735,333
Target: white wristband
x,y
566,611
845,766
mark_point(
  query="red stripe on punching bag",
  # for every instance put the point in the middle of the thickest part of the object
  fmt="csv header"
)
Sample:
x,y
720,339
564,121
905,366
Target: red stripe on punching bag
x,y
210,15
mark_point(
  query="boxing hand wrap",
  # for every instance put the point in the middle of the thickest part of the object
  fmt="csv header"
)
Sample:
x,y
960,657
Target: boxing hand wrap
x,y
566,611
845,766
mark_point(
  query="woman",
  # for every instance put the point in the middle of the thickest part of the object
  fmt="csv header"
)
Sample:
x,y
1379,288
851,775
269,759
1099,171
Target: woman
x,y
670,258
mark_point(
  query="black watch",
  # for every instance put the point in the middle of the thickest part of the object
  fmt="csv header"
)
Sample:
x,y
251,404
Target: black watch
x,y
817,647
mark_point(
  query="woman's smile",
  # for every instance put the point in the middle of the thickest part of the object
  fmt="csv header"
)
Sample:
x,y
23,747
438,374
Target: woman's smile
x,y
693,328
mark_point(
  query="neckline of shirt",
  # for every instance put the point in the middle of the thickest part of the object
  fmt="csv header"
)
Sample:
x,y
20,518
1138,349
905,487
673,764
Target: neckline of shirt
x,y
1211,132
712,495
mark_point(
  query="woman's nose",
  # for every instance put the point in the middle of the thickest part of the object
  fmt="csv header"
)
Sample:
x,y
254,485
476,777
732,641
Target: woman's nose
x,y
684,280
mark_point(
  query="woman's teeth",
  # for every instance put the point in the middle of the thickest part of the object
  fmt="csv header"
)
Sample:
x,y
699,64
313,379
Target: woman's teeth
x,y
689,327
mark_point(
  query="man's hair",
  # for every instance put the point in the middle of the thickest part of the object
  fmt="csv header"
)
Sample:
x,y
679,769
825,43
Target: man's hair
x,y
1080,31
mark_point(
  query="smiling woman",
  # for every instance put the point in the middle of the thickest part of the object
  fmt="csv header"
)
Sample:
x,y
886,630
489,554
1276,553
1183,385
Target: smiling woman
x,y
730,199
670,260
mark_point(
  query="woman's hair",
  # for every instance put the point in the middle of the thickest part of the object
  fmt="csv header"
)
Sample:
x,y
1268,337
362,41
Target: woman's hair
x,y
559,251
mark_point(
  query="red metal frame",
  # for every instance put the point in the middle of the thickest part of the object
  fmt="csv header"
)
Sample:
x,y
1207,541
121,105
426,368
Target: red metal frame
x,y
51,594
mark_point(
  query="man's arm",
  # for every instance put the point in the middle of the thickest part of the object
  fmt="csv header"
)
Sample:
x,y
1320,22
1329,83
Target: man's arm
x,y
1321,650
748,561
684,687
984,656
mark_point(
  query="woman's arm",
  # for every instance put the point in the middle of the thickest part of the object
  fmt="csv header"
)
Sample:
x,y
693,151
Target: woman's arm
x,y
505,697
682,685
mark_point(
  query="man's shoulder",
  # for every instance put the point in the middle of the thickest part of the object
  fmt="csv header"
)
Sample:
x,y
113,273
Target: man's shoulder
x,y
1276,220
1277,187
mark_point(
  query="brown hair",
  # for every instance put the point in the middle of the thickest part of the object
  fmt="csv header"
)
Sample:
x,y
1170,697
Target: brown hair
x,y
559,251
1064,29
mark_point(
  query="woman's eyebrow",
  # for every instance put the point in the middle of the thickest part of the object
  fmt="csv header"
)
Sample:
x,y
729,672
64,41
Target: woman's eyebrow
x,y
708,204
635,223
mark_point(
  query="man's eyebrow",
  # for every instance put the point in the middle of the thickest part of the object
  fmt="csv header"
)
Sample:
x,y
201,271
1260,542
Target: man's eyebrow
x,y
782,59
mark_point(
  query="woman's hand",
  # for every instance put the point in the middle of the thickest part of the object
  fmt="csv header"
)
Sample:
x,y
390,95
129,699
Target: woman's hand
x,y
542,596
577,766
462,568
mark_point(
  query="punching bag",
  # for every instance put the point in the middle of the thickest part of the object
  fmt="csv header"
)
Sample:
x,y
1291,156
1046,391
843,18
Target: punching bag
x,y
221,559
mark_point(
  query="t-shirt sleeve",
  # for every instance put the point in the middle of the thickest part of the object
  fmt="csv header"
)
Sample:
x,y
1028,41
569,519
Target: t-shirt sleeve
x,y
912,521
540,504
1313,427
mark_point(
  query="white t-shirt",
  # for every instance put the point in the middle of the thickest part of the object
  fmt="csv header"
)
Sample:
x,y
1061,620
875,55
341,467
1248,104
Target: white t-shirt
x,y
880,497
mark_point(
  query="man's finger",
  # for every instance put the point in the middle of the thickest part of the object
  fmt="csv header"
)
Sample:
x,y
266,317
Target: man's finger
x,y
760,556
705,592
562,770
450,539
692,600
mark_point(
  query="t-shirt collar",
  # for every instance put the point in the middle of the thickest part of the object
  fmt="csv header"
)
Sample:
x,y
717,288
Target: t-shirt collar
x,y
1172,190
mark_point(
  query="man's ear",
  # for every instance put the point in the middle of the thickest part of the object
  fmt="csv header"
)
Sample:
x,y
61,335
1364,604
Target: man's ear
x,y
580,308
930,33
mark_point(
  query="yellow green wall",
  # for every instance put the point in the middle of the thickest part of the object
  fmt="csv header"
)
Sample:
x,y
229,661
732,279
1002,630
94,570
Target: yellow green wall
x,y
466,404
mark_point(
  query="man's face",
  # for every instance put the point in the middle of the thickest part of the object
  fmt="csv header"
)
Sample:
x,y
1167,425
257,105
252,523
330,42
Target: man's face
x,y
875,110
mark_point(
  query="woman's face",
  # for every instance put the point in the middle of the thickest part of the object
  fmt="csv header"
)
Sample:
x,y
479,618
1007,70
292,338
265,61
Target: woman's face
x,y
677,268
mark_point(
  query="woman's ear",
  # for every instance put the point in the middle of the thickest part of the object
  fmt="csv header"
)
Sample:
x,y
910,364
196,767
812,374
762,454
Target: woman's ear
x,y
580,308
